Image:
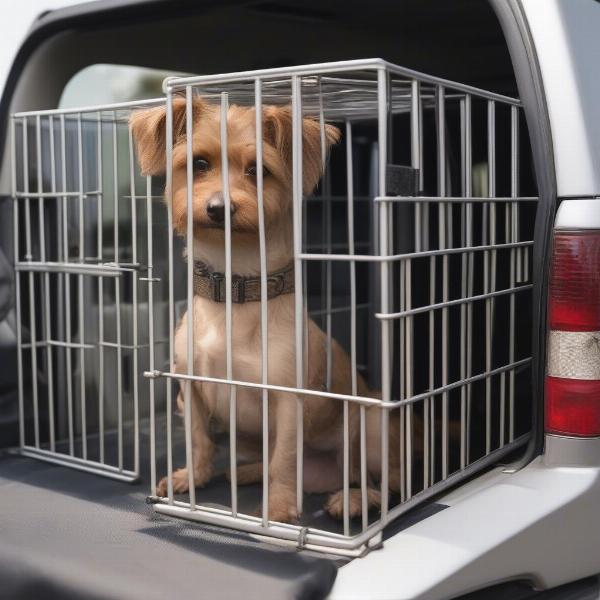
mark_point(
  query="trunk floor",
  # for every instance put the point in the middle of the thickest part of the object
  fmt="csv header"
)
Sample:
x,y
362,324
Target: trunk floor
x,y
69,534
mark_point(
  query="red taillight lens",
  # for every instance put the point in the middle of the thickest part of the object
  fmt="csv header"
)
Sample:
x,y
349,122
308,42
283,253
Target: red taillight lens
x,y
573,406
575,282
573,369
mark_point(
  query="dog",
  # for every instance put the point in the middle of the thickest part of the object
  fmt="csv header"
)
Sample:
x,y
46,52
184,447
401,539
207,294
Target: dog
x,y
322,417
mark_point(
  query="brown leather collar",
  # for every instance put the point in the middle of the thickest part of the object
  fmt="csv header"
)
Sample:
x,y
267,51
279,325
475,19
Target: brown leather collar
x,y
210,284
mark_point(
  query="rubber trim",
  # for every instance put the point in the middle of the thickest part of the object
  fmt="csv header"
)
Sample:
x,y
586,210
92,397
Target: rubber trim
x,y
518,36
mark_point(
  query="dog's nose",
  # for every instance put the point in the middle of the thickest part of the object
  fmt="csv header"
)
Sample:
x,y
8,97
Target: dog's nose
x,y
215,209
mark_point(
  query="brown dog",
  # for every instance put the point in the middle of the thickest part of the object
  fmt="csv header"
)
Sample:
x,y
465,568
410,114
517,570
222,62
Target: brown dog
x,y
323,434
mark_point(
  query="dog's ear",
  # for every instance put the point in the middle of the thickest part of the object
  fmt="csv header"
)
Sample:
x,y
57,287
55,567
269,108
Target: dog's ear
x,y
277,130
148,128
313,161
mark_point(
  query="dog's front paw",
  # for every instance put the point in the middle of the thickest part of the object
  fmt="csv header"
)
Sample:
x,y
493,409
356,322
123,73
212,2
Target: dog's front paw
x,y
282,506
180,480
161,488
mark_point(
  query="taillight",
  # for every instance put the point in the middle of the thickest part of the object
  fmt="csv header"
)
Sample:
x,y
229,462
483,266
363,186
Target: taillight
x,y
573,369
575,282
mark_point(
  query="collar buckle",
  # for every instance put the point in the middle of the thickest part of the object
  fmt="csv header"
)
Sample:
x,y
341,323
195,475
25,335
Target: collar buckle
x,y
278,280
217,289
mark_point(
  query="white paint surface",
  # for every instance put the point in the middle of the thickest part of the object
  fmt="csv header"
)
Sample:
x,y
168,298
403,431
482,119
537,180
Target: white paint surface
x,y
567,42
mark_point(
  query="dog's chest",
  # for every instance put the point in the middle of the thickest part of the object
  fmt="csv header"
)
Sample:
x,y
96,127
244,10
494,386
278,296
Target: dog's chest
x,y
210,360
210,357
210,345
210,340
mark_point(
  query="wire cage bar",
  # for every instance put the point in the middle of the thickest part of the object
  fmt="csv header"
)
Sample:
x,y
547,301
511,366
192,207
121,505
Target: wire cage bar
x,y
405,324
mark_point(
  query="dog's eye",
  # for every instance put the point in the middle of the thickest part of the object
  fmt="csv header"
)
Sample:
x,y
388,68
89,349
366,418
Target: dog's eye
x,y
201,165
251,170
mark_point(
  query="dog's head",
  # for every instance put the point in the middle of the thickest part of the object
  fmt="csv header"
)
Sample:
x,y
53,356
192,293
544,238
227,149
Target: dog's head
x,y
149,132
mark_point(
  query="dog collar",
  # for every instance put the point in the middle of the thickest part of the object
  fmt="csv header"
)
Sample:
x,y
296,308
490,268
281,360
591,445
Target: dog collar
x,y
210,284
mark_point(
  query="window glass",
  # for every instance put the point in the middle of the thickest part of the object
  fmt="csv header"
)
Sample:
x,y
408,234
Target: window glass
x,y
105,84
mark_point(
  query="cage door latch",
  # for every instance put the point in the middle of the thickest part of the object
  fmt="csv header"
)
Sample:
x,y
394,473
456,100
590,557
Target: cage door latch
x,y
401,180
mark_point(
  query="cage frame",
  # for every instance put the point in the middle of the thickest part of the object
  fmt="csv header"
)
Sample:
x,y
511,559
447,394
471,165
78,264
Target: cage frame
x,y
371,535
297,535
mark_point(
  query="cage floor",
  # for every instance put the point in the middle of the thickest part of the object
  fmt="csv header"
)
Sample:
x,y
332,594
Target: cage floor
x,y
217,492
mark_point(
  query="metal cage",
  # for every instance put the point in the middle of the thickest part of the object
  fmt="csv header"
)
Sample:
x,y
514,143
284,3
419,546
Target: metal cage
x,y
413,255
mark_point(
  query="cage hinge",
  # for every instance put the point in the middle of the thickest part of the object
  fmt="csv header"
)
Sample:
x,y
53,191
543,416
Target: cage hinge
x,y
302,538
401,180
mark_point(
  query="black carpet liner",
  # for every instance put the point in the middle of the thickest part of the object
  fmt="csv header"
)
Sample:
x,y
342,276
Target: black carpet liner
x,y
69,534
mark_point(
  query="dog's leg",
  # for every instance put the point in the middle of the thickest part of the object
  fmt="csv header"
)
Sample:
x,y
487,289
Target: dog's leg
x,y
247,474
202,451
335,502
282,466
